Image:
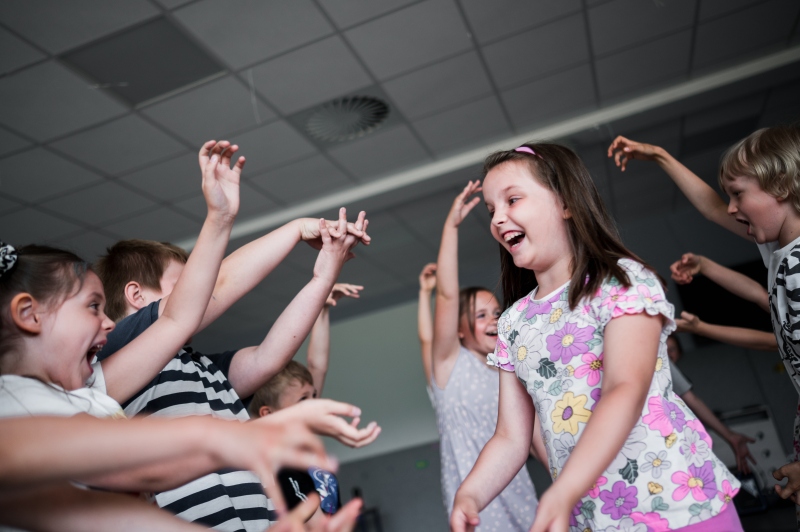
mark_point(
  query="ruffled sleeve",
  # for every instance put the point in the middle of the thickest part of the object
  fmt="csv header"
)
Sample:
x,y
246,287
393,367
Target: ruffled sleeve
x,y
500,357
644,295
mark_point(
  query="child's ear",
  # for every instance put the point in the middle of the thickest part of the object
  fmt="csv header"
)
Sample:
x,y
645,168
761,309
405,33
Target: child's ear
x,y
26,313
134,295
264,411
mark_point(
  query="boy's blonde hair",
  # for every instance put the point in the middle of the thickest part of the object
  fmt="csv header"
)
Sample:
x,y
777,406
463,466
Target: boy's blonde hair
x,y
270,393
772,156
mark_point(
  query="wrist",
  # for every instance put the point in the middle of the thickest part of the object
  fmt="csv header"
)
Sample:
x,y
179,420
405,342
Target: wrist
x,y
220,219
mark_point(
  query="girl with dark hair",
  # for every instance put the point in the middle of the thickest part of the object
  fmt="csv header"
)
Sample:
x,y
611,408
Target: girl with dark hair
x,y
464,389
586,319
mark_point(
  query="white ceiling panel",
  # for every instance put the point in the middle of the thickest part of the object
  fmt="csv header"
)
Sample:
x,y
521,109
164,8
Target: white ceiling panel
x,y
174,179
380,153
346,13
9,142
310,75
36,174
714,8
493,20
163,225
744,31
121,145
302,181
410,38
463,126
723,114
16,53
437,87
88,245
641,66
271,146
426,216
7,205
536,53
172,4
376,280
565,92
252,203
32,226
47,101
624,23
227,107
59,26
254,30
99,204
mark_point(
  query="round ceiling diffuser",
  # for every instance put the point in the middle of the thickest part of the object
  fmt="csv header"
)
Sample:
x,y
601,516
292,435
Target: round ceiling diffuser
x,y
346,118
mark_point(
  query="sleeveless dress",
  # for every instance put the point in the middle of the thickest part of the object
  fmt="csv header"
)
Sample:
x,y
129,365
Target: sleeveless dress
x,y
466,414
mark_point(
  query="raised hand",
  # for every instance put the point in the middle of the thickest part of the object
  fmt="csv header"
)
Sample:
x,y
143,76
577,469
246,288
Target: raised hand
x,y
684,270
688,322
309,230
461,206
341,290
337,243
326,418
220,180
623,150
427,278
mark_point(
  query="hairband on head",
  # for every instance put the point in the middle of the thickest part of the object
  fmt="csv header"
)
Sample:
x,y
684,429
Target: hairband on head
x,y
8,257
525,149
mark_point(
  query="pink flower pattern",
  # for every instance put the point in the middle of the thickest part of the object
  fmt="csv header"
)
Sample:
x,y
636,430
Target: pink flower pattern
x,y
664,416
699,481
593,367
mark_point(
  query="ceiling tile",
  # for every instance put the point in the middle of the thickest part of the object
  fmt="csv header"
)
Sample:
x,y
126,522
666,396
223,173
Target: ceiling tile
x,y
747,30
16,53
60,26
271,146
714,8
286,280
226,106
252,203
641,198
254,30
493,20
47,100
38,173
163,225
623,23
302,181
9,142
426,215
172,4
351,12
380,153
439,86
7,205
644,65
511,61
121,145
560,94
174,179
723,114
410,38
310,75
464,126
99,204
32,226
375,280
88,245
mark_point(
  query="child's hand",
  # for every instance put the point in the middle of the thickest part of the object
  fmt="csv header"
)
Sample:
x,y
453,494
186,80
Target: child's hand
x,y
738,443
464,517
688,323
684,270
427,279
220,181
324,417
336,245
298,519
461,207
790,490
623,150
309,230
341,290
552,514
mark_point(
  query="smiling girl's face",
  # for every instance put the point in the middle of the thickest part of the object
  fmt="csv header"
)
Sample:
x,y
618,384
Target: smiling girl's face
x,y
483,336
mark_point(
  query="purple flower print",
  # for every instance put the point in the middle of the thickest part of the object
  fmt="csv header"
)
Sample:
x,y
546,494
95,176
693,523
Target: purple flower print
x,y
575,513
699,481
664,416
619,501
595,394
540,307
501,357
569,342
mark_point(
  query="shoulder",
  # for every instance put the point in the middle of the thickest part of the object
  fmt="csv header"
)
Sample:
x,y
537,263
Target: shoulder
x,y
128,328
23,396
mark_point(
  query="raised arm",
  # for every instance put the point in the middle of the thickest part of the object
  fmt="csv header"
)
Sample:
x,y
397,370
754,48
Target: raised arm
x,y
319,341
738,336
684,270
132,367
445,323
704,198
427,282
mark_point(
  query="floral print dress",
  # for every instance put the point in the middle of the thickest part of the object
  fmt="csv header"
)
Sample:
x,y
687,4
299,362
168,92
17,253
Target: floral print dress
x,y
665,476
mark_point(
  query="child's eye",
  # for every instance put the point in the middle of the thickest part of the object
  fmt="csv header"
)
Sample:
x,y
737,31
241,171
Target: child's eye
x,y
512,201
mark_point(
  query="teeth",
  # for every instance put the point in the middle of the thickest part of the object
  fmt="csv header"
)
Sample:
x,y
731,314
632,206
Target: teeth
x,y
510,236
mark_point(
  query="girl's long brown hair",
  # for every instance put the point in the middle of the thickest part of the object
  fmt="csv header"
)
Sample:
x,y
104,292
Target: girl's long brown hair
x,y
593,236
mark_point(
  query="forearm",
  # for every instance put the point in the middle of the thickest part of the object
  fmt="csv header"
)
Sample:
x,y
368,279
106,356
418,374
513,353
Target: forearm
x,y
243,269
735,283
705,415
157,476
425,331
738,336
445,325
319,346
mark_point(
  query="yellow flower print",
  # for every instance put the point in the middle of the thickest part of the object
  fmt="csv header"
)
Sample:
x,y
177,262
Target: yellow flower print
x,y
570,370
568,412
659,364
670,440
567,340
522,353
654,488
554,473
556,315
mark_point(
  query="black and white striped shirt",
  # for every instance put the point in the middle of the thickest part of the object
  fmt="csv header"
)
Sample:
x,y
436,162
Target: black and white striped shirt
x,y
196,384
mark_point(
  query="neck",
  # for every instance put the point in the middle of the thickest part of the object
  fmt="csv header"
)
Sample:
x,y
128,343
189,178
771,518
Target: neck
x,y
556,275
22,362
790,229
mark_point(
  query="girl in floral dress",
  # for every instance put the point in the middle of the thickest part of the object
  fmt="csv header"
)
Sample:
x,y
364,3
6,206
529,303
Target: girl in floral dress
x,y
582,352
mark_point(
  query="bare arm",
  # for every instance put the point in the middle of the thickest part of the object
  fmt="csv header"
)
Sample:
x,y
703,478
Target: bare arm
x,y
445,323
738,336
684,270
704,198
132,367
427,282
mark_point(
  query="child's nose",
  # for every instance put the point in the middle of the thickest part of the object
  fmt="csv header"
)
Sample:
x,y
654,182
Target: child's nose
x,y
108,324
732,208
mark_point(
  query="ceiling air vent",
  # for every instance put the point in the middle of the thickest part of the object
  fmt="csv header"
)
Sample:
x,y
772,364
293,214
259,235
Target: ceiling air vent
x,y
346,118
